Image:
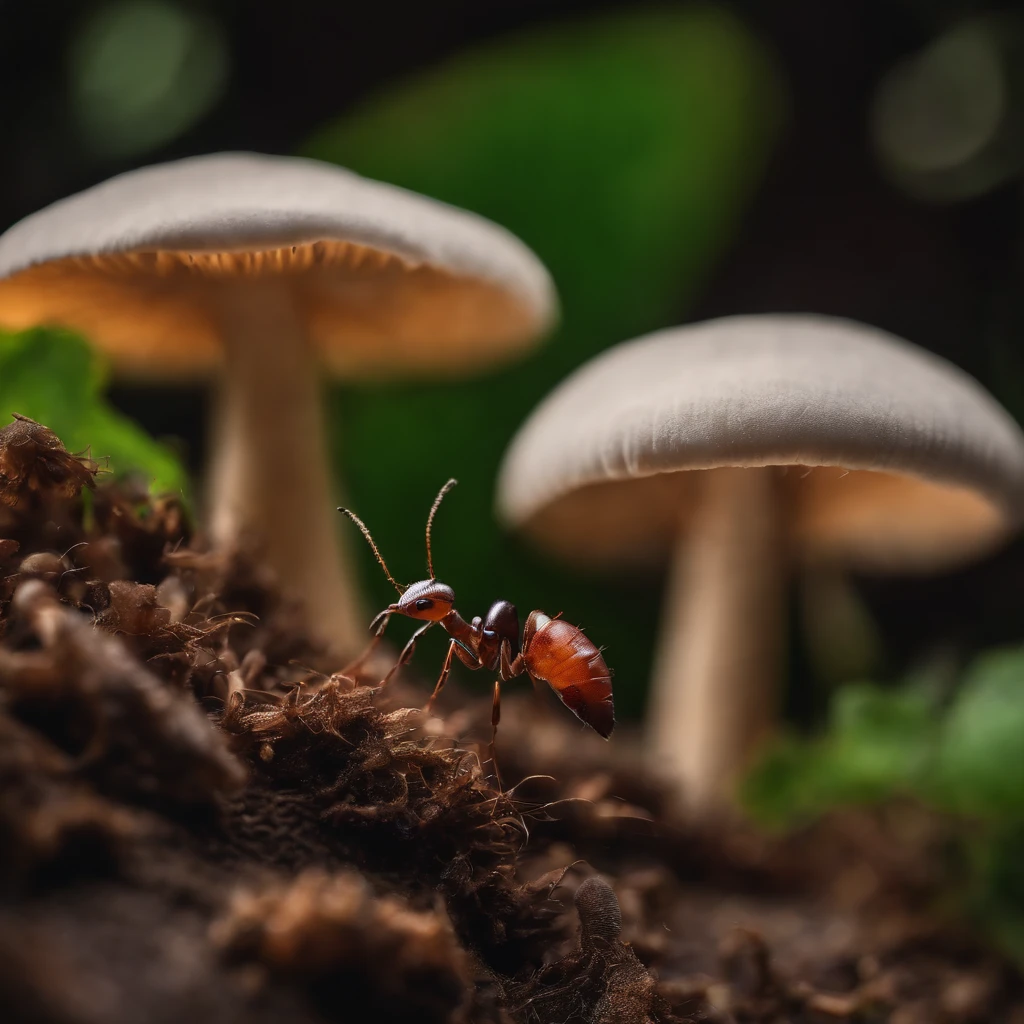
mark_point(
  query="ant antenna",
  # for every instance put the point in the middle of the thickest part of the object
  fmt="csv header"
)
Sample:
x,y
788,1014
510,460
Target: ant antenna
x,y
430,522
364,529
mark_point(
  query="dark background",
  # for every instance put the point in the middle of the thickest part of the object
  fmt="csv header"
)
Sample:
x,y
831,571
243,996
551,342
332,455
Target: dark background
x,y
826,229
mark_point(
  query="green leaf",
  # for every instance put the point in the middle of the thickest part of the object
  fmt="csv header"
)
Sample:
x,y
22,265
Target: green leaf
x,y
967,759
981,767
879,744
622,151
53,377
993,861
784,787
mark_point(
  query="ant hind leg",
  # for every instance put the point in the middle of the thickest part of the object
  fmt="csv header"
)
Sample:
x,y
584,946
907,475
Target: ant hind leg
x,y
495,718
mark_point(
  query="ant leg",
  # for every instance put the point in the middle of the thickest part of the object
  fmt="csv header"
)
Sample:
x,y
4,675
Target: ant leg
x,y
379,624
540,692
443,677
495,718
520,665
407,652
508,666
469,660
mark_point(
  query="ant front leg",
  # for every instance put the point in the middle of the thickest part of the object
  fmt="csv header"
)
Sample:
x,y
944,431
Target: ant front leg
x,y
407,652
379,624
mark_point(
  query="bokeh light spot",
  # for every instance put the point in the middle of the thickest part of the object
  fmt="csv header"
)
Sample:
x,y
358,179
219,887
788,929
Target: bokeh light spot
x,y
943,120
142,72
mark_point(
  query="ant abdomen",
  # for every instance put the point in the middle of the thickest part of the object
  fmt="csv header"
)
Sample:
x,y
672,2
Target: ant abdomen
x,y
565,658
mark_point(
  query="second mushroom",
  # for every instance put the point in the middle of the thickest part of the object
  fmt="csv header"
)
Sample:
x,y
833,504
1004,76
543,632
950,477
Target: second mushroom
x,y
739,447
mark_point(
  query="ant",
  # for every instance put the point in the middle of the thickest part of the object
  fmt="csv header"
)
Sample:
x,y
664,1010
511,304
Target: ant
x,y
552,650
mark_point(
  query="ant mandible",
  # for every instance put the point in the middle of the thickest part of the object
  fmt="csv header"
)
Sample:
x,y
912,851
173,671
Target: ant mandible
x,y
552,650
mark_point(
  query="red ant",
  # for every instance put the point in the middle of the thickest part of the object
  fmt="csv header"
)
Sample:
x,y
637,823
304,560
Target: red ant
x,y
552,650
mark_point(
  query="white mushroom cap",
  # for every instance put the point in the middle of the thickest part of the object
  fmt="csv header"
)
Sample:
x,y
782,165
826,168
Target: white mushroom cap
x,y
907,462
272,266
384,280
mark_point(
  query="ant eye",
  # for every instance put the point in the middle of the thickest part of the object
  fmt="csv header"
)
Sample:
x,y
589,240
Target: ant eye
x,y
423,604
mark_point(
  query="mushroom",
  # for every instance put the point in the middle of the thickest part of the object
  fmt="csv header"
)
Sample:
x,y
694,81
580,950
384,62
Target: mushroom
x,y
266,266
741,445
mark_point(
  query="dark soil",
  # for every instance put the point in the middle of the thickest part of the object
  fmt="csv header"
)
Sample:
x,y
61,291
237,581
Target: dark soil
x,y
195,828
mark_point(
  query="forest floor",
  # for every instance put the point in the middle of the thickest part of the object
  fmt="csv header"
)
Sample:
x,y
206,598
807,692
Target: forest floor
x,y
203,819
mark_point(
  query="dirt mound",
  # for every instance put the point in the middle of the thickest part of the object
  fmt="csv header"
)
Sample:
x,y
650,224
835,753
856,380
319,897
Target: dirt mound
x,y
192,827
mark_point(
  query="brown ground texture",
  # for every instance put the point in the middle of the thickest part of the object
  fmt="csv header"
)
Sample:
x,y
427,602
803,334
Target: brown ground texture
x,y
203,820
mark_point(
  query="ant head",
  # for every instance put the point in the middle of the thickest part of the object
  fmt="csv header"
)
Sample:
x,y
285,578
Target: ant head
x,y
427,600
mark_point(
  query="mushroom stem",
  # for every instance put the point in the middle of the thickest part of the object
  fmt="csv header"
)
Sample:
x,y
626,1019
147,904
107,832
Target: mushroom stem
x,y
269,488
716,673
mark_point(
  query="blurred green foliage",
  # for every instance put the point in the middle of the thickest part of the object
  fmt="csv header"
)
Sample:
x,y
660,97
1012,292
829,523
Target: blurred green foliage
x,y
981,767
622,152
962,756
878,743
52,376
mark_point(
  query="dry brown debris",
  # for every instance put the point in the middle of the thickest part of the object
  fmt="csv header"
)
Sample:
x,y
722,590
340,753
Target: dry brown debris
x,y
132,734
34,462
51,820
599,982
355,951
397,800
